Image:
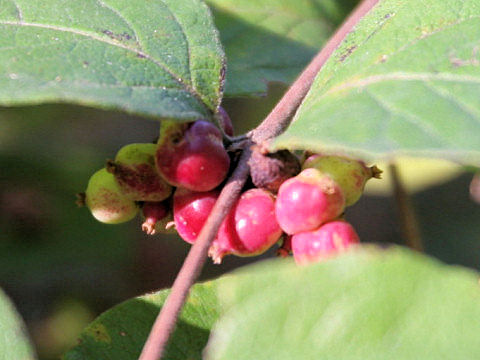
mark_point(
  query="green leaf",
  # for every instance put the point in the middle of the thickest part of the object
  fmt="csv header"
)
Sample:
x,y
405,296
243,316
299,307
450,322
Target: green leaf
x,y
371,304
156,58
120,333
14,342
271,40
405,81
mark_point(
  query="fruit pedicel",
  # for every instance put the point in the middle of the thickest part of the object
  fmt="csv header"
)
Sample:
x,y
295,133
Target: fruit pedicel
x,y
177,181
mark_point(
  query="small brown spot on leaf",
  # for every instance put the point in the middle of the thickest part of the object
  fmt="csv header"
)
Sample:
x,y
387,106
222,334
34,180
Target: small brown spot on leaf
x,y
99,333
347,53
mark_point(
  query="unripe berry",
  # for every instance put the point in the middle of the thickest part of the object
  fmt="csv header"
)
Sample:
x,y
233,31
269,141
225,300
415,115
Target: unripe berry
x,y
157,215
192,155
190,211
249,229
106,200
350,174
135,172
328,240
308,200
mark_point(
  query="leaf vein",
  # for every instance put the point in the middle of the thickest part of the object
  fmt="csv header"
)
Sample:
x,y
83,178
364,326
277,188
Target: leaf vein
x,y
411,118
116,12
402,76
187,44
111,42
19,11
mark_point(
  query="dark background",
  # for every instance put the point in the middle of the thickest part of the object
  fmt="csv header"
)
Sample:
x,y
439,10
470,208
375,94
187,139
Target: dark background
x,y
62,268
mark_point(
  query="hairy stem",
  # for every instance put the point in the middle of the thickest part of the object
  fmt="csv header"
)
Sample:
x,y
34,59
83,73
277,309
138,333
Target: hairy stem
x,y
273,125
406,212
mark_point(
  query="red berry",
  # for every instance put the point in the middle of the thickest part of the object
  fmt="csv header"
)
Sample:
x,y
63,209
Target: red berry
x,y
191,210
328,240
249,229
155,213
308,200
192,155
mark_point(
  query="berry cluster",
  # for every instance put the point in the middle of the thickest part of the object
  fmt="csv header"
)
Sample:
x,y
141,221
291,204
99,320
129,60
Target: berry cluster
x,y
177,181
310,206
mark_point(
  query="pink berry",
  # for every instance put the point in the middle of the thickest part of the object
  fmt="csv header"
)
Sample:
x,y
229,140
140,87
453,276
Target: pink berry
x,y
328,240
249,229
308,200
192,155
191,210
155,214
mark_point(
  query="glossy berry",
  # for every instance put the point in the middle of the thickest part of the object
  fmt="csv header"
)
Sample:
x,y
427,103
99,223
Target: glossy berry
x,y
192,155
157,215
249,229
106,200
191,210
350,174
328,240
308,200
135,171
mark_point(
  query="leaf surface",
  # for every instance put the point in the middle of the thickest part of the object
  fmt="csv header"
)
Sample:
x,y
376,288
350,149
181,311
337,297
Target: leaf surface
x,y
14,341
369,304
272,40
405,81
158,58
119,333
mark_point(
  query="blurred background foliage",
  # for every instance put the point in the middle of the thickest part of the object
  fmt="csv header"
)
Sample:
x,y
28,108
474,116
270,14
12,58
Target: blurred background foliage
x,y
62,268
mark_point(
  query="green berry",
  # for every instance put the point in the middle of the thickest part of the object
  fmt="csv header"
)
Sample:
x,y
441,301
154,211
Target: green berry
x,y
350,174
106,200
135,172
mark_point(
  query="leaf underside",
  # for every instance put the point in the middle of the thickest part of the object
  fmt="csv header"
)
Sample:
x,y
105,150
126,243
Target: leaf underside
x,y
158,58
405,81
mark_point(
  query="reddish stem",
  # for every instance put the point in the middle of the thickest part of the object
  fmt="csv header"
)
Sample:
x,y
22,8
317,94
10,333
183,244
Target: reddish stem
x,y
272,126
165,322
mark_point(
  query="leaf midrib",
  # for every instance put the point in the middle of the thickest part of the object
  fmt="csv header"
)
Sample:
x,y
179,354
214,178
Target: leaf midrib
x,y
94,36
401,76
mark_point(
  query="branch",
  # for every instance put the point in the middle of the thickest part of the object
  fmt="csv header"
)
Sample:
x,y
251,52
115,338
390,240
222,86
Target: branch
x,y
166,320
406,212
275,123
